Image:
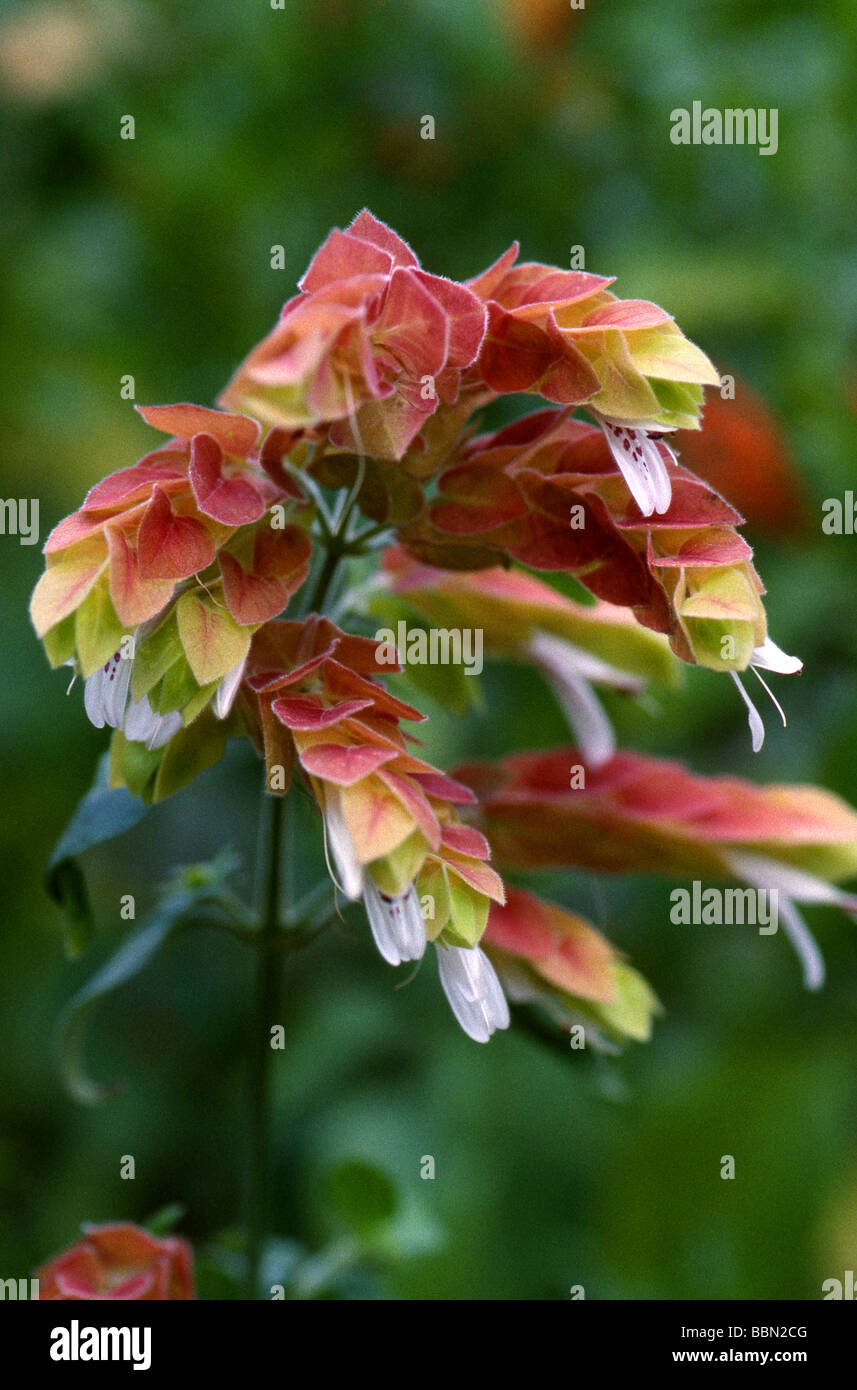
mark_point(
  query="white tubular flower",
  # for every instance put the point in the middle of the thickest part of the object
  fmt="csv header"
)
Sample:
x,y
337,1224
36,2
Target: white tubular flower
x,y
105,699
790,884
397,923
641,462
142,725
224,695
770,658
105,692
348,866
569,670
473,990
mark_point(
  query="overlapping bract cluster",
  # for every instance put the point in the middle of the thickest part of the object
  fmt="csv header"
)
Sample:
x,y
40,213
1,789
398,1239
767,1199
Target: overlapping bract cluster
x,y
546,955
564,336
376,355
154,588
144,530
574,646
166,591
120,1262
369,347
313,693
548,493
638,814
511,607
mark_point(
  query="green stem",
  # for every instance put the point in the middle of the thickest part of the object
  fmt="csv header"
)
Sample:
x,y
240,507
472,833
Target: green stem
x,y
325,575
269,973
336,546
362,538
268,977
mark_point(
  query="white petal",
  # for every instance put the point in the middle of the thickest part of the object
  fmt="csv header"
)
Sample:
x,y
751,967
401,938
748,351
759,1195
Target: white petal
x,y
93,698
636,476
118,681
142,725
771,696
663,449
166,726
763,872
642,466
558,655
224,695
592,728
804,943
106,692
662,486
771,658
757,728
473,990
348,866
139,721
396,922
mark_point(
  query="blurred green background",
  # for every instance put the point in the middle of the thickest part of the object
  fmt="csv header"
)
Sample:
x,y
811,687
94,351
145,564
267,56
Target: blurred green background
x,y
257,127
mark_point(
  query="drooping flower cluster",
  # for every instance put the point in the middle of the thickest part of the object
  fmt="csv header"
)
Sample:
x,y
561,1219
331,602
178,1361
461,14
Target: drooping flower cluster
x,y
551,957
368,349
572,645
154,588
639,814
564,336
548,493
390,820
168,592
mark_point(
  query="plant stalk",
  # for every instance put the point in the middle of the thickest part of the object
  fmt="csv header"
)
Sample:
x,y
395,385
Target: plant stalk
x,y
268,993
269,975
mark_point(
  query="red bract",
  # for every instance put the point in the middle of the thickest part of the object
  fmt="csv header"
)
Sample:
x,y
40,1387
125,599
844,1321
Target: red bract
x,y
546,955
564,949
639,814
119,1262
313,690
548,492
564,336
371,345
143,530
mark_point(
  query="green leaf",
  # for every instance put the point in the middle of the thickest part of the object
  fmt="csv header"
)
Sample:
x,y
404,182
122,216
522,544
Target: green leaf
x,y
155,656
200,701
363,1196
190,752
177,688
97,630
630,1015
449,685
197,894
162,1222
102,814
213,642
132,957
468,911
59,642
133,765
